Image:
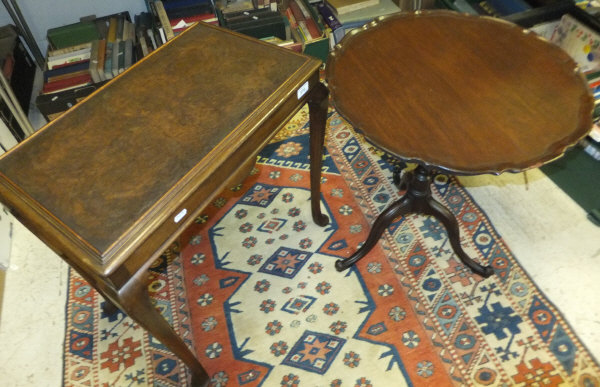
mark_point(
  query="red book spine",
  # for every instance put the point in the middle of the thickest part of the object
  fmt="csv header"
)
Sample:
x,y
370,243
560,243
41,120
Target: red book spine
x,y
67,83
312,28
302,15
192,19
298,15
291,18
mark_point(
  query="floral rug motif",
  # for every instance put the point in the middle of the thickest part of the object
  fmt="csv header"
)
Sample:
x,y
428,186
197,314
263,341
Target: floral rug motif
x,y
252,288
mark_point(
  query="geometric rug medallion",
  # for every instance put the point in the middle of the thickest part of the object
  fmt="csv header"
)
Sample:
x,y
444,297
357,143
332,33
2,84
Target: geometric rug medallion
x,y
252,289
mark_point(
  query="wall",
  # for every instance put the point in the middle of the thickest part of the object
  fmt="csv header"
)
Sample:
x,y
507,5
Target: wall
x,y
41,15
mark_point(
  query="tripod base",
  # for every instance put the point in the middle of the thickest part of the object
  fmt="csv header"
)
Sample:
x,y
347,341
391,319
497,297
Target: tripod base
x,y
417,199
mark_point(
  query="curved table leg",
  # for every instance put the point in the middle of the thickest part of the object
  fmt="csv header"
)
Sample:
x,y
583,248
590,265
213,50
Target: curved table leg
x,y
433,207
109,308
318,103
399,208
136,303
417,199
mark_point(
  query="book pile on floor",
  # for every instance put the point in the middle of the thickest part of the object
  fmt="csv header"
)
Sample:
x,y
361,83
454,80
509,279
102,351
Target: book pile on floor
x,y
168,18
303,25
184,13
88,52
342,16
82,56
293,24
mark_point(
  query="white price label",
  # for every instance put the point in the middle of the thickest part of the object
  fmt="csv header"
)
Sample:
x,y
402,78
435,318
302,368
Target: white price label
x,y
302,90
180,216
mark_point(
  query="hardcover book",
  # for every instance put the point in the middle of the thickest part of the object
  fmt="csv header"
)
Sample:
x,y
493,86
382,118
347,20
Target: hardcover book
x,y
117,57
305,20
65,84
66,71
108,60
384,7
101,58
259,23
93,65
112,30
128,54
341,7
54,104
163,19
68,58
72,34
68,50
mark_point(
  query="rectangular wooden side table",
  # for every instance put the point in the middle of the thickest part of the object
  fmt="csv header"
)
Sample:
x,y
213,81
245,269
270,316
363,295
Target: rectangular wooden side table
x,y
110,184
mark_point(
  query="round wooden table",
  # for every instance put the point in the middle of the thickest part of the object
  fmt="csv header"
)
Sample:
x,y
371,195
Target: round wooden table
x,y
456,93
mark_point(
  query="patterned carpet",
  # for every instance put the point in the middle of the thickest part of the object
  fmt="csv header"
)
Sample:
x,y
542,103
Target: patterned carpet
x,y
252,288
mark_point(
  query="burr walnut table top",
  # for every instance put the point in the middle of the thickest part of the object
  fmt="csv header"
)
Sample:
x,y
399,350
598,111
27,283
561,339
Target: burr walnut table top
x,y
463,93
113,179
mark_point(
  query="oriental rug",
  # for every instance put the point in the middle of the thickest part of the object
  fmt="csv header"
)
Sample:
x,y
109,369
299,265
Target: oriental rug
x,y
252,288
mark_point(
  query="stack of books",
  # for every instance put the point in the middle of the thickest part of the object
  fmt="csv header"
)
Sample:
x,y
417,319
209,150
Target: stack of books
x,y
293,24
353,17
302,23
88,52
148,33
68,59
67,68
341,7
153,28
184,13
166,19
259,23
82,56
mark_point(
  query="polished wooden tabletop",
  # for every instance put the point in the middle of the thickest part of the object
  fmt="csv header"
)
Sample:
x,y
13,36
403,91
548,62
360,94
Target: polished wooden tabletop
x,y
464,93
115,168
